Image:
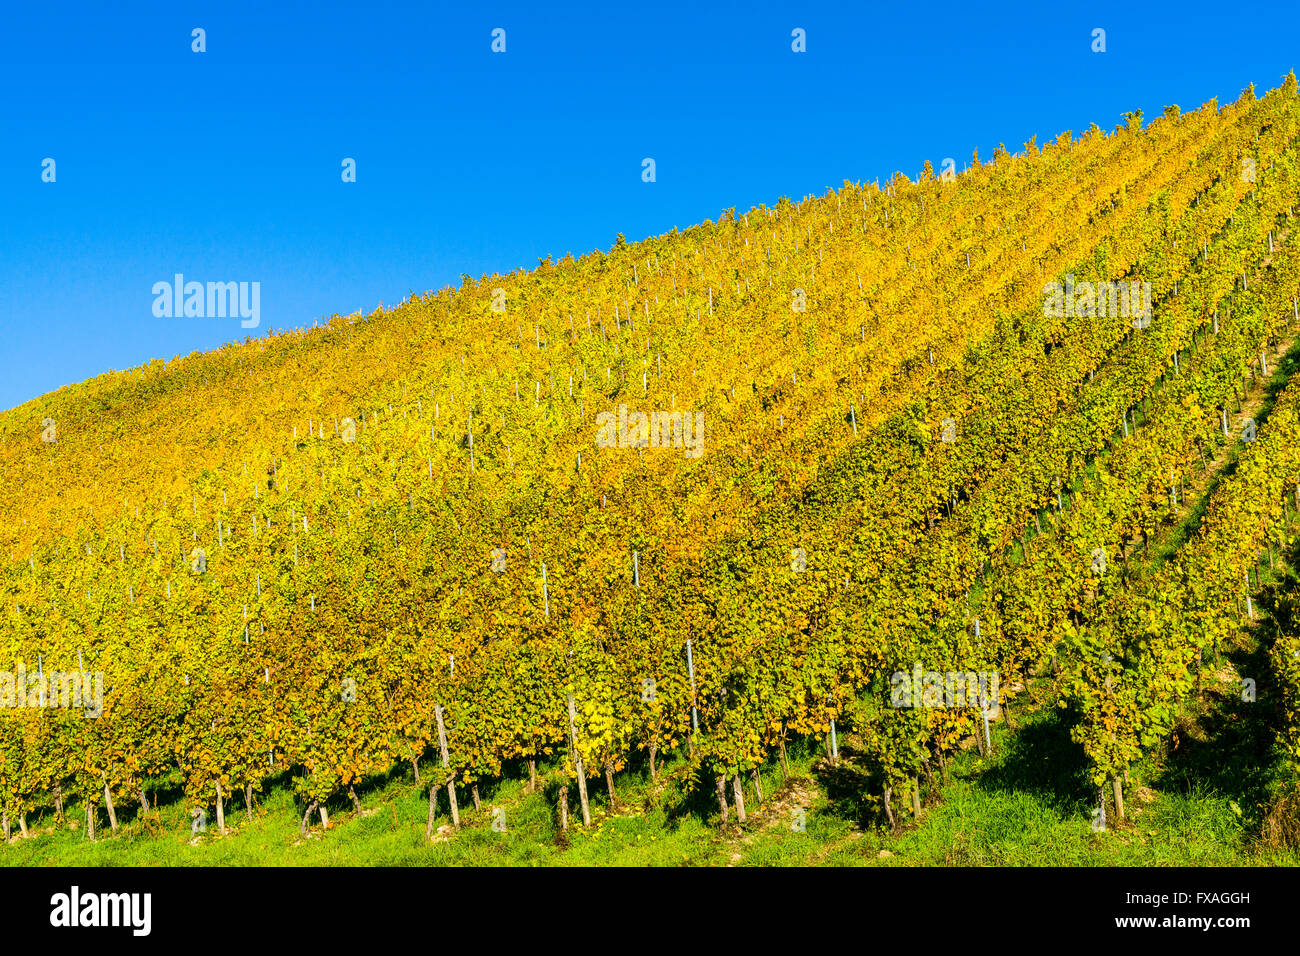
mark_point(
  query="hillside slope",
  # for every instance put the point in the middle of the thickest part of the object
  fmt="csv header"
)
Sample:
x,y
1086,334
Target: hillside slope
x,y
429,534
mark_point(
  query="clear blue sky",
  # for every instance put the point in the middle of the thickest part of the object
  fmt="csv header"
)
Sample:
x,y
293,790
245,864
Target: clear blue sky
x,y
225,165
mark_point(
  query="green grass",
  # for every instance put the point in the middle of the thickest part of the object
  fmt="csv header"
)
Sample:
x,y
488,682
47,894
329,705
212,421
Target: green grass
x,y
1027,805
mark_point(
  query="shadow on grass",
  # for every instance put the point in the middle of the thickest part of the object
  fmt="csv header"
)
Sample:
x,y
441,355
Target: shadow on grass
x,y
855,795
1040,759
690,792
855,791
1230,749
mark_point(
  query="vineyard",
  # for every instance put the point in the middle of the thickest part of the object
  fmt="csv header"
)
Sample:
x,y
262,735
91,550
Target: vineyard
x,y
676,515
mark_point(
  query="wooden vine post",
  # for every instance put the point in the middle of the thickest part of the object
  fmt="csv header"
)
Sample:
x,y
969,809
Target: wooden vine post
x,y
577,765
446,763
108,802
